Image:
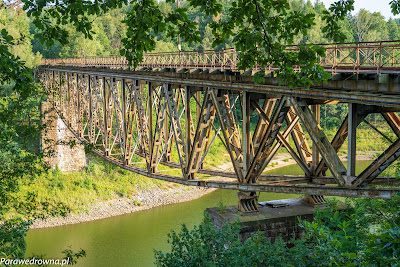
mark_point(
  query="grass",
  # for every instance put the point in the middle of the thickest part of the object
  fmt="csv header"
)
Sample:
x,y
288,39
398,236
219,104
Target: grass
x,y
75,191
368,141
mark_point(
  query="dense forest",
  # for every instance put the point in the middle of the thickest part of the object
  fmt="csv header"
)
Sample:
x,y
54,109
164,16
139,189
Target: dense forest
x,y
109,30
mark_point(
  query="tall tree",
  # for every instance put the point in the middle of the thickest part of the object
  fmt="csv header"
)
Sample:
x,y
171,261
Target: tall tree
x,y
370,26
394,33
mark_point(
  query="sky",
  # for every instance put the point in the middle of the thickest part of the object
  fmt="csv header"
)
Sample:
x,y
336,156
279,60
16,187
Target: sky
x,y
370,5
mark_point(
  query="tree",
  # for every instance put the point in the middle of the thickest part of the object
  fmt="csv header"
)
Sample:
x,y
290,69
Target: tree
x,y
15,21
272,25
393,29
370,26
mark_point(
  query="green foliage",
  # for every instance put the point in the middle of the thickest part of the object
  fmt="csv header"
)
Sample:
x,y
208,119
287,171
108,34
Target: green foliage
x,y
365,234
207,246
261,29
272,26
12,238
16,24
53,193
221,206
395,6
72,256
146,19
337,11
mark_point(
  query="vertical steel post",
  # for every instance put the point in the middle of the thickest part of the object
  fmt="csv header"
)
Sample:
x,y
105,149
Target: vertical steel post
x,y
315,154
90,122
198,113
150,123
188,137
124,137
246,130
351,145
78,115
105,107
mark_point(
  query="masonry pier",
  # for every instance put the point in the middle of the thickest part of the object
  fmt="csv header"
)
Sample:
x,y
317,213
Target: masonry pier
x,y
275,218
62,149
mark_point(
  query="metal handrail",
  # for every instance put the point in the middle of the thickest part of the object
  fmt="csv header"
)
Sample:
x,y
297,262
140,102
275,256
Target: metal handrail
x,y
351,57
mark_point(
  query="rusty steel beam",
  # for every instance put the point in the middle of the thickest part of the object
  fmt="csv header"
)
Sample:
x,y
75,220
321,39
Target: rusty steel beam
x,y
380,180
230,134
379,165
384,193
266,143
337,142
341,95
261,126
320,140
283,141
200,140
394,122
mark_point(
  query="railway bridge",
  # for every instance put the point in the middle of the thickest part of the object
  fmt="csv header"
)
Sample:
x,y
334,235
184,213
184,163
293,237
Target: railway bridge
x,y
176,106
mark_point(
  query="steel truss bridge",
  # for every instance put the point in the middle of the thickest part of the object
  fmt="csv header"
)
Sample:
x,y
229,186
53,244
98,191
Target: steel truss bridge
x,y
176,106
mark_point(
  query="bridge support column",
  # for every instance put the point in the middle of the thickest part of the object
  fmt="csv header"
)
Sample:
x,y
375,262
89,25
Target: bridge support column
x,y
315,199
277,218
248,201
56,141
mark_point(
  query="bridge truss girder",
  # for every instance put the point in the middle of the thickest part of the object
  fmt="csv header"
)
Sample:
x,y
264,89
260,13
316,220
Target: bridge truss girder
x,y
127,119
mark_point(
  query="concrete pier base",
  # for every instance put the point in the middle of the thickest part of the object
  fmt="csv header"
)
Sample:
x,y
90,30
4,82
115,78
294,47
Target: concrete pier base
x,y
275,218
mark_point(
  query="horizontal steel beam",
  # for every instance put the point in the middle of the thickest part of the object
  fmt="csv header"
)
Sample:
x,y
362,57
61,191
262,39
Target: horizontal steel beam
x,y
367,98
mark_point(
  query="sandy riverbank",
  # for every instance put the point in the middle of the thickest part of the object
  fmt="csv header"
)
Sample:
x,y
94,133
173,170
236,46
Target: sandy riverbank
x,y
143,200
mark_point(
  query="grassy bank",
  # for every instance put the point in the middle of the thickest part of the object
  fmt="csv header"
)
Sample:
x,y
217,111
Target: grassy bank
x,y
54,192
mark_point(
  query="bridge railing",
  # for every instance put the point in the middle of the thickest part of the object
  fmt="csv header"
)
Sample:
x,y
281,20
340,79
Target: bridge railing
x,y
351,57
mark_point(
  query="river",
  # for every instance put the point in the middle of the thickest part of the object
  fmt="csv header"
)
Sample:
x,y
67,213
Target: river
x,y
129,240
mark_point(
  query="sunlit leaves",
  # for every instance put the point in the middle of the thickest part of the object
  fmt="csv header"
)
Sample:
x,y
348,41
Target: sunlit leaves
x,y
145,20
337,11
365,233
395,6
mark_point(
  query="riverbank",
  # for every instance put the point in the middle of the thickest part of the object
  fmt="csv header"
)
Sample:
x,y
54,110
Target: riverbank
x,y
143,200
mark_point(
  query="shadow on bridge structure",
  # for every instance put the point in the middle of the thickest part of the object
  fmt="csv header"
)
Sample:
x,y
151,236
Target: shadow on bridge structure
x,y
175,106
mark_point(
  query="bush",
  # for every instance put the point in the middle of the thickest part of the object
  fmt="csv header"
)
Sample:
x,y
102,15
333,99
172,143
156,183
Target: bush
x,y
365,234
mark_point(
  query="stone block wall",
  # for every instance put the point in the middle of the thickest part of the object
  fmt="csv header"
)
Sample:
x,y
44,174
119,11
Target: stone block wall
x,y
55,142
285,227
271,220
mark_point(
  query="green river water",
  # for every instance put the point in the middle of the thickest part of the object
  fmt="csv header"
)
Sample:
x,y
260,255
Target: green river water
x,y
129,240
